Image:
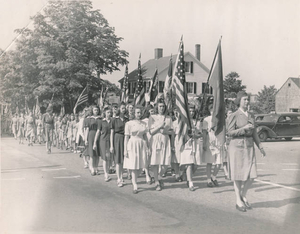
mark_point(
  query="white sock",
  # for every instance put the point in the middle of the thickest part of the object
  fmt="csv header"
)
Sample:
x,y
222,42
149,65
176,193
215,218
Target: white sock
x,y
191,184
213,177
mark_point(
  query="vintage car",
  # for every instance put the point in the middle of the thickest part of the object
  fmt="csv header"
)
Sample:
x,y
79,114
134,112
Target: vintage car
x,y
278,125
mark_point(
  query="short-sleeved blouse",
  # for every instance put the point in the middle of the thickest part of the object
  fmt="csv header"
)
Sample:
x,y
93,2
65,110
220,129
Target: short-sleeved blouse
x,y
104,126
118,125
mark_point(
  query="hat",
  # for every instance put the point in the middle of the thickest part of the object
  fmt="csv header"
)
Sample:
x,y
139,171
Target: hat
x,y
239,96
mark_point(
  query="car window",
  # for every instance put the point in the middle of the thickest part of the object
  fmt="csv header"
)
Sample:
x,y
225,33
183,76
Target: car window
x,y
296,119
259,118
284,119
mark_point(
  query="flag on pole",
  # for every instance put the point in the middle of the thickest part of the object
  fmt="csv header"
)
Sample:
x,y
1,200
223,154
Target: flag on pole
x,y
153,91
37,107
83,97
181,101
102,98
17,110
139,96
215,80
168,87
62,111
125,94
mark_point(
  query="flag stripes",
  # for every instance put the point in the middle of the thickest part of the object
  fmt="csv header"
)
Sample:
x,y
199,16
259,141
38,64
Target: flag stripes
x,y
125,92
81,99
154,87
140,90
181,101
168,87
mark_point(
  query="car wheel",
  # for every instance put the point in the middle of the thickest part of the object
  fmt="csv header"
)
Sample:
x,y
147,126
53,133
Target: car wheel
x,y
263,136
288,138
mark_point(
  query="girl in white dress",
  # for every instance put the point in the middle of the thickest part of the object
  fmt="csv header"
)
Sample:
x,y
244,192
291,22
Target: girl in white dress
x,y
136,146
190,155
211,151
160,126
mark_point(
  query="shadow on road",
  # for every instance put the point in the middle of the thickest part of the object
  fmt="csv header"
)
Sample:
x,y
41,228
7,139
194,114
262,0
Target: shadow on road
x,y
276,204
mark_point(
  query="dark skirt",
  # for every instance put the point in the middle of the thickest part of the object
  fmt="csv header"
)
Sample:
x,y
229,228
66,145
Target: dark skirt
x,y
119,148
89,150
104,149
48,132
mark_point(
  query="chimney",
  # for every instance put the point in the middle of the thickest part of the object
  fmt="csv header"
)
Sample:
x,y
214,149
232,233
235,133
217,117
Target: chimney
x,y
158,53
197,51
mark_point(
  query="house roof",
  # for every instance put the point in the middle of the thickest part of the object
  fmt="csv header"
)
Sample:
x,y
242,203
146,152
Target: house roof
x,y
148,68
294,79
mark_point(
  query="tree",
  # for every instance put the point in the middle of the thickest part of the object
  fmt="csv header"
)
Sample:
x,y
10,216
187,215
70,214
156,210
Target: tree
x,y
232,85
70,47
265,100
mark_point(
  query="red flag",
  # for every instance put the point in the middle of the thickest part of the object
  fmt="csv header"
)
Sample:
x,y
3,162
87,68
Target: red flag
x,y
181,101
215,80
139,96
125,94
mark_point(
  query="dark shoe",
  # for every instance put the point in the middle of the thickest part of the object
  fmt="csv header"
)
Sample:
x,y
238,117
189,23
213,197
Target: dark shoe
x,y
192,188
210,184
129,177
187,184
161,184
143,172
134,191
240,208
93,173
158,187
215,182
178,179
247,205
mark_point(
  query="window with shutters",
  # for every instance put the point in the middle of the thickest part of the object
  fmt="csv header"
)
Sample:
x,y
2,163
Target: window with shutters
x,y
206,88
131,87
191,87
189,67
161,85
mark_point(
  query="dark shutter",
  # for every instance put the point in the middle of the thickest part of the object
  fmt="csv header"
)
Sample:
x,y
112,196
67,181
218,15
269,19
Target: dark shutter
x,y
192,67
195,87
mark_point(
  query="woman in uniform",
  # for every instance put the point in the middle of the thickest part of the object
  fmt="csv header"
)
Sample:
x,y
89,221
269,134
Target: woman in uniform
x,y
20,127
14,126
48,125
30,128
103,130
117,141
39,129
91,125
242,159
160,126
136,148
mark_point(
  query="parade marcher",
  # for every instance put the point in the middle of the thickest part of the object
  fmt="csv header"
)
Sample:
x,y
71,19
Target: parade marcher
x,y
64,129
136,150
14,126
91,125
226,152
70,132
48,125
130,116
30,128
160,126
55,136
242,159
211,150
59,133
20,127
39,129
190,153
81,137
150,110
103,130
117,141
175,157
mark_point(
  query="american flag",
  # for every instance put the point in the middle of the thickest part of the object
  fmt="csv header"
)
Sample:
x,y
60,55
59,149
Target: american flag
x,y
181,101
153,92
81,99
168,86
125,94
139,96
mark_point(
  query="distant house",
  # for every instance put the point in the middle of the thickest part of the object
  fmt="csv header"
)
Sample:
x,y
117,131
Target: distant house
x,y
287,98
196,72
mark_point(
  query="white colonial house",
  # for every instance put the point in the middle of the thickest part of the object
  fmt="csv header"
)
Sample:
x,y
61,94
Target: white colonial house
x,y
196,72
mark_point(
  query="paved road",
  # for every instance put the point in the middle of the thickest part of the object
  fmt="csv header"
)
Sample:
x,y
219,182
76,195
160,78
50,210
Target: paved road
x,y
43,193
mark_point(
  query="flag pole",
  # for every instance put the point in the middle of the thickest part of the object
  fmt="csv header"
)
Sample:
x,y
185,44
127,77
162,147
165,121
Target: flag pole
x,y
214,59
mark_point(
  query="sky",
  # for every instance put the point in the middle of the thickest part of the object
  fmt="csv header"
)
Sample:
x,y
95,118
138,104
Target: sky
x,y
260,39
